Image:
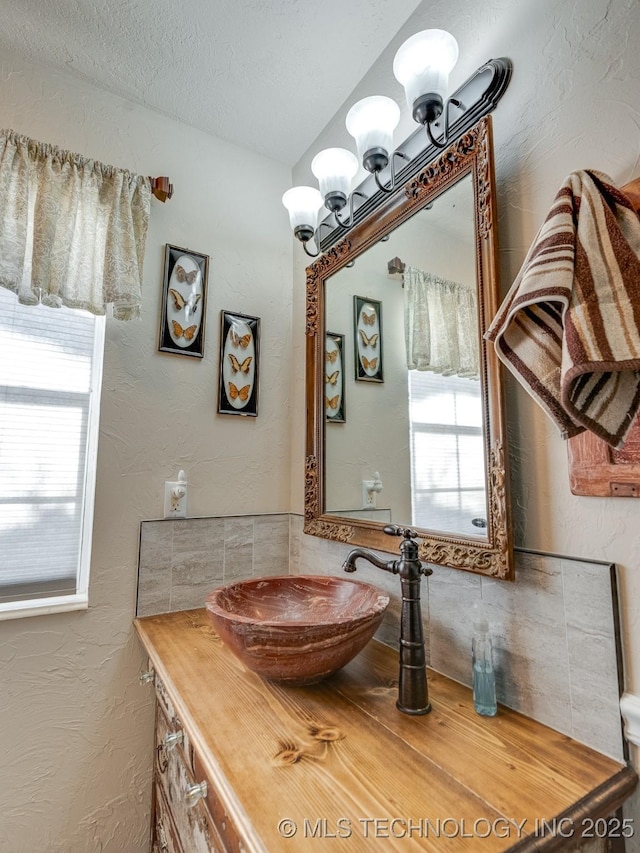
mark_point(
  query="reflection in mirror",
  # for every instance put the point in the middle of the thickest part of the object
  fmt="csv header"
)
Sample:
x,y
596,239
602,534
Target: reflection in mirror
x,y
422,430
410,427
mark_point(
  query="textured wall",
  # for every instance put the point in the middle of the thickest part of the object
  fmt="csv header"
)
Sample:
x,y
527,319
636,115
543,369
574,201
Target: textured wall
x,y
76,730
572,103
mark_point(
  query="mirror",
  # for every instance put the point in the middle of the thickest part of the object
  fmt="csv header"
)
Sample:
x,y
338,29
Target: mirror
x,y
404,414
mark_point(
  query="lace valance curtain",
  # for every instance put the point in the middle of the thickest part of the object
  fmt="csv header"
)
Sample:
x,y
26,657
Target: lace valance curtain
x,y
72,230
441,325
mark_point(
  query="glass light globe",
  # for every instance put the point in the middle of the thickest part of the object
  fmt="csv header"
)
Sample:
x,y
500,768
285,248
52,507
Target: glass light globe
x,y
303,204
371,122
334,168
423,64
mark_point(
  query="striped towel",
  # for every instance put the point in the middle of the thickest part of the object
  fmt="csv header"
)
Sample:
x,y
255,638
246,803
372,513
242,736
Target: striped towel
x,y
569,328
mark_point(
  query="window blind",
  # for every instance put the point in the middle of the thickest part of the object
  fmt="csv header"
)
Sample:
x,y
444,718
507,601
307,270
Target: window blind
x,y
447,452
50,371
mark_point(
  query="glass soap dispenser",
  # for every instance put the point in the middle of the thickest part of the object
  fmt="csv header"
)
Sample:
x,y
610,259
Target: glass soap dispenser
x,y
484,681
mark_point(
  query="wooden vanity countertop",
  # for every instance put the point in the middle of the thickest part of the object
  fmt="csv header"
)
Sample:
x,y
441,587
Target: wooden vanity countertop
x,y
337,766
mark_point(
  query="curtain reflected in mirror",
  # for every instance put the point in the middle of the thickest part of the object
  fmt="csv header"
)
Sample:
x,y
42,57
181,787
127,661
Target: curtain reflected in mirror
x,y
421,429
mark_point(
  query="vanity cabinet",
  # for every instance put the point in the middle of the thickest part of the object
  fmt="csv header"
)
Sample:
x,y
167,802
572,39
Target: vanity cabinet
x,y
336,765
188,816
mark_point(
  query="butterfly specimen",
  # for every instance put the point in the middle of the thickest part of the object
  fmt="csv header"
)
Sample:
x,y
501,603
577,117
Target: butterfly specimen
x,y
368,342
188,333
182,276
238,341
240,368
370,365
179,301
241,393
331,356
332,402
369,320
333,379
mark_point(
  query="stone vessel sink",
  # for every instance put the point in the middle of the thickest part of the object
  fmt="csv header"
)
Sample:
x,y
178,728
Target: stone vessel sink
x,y
296,629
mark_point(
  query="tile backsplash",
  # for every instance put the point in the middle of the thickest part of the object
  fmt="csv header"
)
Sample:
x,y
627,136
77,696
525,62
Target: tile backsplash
x,y
183,559
554,629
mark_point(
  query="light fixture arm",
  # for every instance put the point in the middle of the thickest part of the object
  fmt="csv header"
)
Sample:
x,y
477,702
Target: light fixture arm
x,y
316,238
392,185
444,142
349,222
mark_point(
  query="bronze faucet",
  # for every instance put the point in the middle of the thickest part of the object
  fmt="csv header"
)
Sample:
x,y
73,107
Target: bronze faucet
x,y
413,694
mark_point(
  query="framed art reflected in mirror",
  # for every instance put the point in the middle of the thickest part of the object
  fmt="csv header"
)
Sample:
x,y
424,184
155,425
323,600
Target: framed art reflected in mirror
x,y
335,402
367,337
435,428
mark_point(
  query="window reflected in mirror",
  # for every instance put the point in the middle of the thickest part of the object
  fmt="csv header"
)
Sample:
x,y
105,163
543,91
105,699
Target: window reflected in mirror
x,y
448,489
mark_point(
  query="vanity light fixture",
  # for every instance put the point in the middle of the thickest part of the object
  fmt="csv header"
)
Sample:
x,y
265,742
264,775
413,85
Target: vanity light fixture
x,y
422,65
371,122
303,204
335,168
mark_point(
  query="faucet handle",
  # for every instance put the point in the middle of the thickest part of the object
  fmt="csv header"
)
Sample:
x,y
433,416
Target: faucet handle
x,y
396,530
409,547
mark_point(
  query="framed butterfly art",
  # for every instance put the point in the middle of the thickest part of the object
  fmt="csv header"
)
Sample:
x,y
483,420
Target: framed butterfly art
x,y
334,402
367,324
239,363
184,296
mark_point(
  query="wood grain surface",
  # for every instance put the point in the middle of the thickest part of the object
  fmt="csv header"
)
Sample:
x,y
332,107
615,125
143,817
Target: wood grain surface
x,y
353,773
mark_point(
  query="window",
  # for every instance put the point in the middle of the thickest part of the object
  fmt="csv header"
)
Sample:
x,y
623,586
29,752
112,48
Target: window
x,y
50,377
447,453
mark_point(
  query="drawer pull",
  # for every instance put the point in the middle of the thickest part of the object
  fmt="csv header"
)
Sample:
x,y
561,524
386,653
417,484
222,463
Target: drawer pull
x,y
172,739
195,793
146,677
163,761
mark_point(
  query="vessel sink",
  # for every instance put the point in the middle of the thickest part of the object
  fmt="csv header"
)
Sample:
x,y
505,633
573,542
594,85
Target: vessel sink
x,y
296,629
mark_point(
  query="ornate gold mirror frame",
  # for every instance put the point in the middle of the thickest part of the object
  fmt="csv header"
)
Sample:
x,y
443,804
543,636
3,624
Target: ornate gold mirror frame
x,y
492,553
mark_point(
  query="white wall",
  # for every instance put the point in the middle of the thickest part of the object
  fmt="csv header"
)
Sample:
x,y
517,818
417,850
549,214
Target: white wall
x,y
75,728
573,102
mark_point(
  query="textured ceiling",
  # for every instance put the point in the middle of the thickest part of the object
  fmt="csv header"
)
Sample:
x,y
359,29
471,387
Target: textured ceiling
x,y
264,74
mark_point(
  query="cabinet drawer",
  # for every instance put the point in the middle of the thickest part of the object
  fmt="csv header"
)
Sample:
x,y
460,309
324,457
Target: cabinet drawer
x,y
163,698
218,813
165,706
195,827
165,836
